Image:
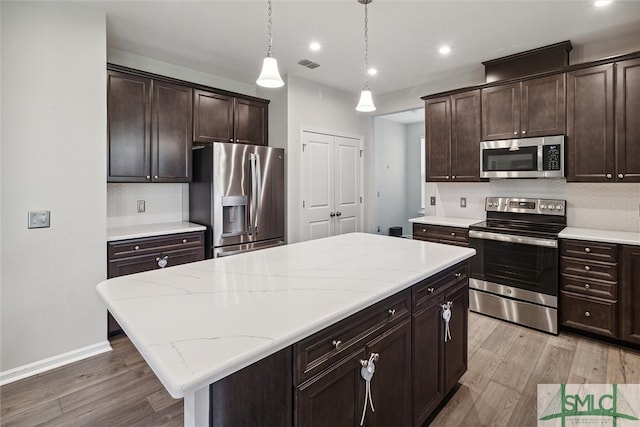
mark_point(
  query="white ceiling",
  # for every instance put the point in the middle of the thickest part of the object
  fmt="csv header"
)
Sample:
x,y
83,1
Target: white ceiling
x,y
228,38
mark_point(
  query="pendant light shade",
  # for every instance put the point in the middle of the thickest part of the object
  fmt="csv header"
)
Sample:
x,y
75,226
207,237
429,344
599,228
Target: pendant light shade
x,y
365,104
269,76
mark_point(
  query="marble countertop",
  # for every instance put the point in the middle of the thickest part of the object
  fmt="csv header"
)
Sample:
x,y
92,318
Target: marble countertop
x,y
607,236
149,230
446,220
197,323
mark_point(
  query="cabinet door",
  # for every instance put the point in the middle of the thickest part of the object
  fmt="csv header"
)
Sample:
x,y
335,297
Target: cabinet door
x,y
333,398
428,353
171,128
128,124
251,122
438,138
629,301
501,112
465,136
455,349
627,120
391,384
543,106
590,133
212,117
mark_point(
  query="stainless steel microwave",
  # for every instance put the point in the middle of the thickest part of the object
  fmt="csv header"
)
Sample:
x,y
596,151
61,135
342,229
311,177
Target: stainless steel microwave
x,y
523,158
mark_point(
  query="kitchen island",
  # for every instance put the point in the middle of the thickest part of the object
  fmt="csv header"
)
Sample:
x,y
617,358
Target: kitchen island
x,y
198,323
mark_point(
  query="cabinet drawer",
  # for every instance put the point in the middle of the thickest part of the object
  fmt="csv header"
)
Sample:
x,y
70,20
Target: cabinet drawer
x,y
441,234
589,286
589,314
320,350
589,269
146,245
423,292
138,264
594,251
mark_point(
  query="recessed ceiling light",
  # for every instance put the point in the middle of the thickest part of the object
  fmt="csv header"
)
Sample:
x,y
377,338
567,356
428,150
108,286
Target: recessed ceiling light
x,y
444,50
601,3
314,46
372,71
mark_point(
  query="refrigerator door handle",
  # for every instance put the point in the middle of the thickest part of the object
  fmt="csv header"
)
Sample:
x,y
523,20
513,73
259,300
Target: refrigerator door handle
x,y
258,192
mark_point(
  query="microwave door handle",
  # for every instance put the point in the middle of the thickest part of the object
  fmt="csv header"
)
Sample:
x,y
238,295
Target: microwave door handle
x,y
258,192
540,159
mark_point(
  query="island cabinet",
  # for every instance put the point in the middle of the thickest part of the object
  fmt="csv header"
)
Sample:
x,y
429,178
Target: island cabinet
x,y
149,129
441,234
533,107
439,359
224,118
150,253
330,390
630,294
452,129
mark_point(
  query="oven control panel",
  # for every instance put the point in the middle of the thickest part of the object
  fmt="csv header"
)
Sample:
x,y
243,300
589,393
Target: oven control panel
x,y
523,205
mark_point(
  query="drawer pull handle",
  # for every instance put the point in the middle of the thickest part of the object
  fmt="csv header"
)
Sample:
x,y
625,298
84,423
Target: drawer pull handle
x,y
587,268
424,230
162,262
392,312
430,290
587,250
587,314
453,234
136,248
586,286
184,240
336,344
458,274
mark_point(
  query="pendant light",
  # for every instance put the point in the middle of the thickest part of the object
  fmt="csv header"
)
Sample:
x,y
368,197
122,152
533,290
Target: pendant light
x,y
269,76
366,101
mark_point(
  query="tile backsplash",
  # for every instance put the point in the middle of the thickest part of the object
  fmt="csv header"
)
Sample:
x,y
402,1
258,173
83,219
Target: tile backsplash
x,y
589,205
163,203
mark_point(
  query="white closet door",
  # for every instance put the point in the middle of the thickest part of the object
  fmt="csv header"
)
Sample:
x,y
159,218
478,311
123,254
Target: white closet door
x,y
317,185
331,187
347,185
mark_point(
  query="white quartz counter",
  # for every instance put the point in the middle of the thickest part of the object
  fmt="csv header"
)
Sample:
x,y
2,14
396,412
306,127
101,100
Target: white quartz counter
x,y
608,236
445,220
150,230
197,323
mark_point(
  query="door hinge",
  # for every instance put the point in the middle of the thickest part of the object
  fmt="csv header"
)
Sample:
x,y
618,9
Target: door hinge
x,y
361,151
303,204
304,146
360,199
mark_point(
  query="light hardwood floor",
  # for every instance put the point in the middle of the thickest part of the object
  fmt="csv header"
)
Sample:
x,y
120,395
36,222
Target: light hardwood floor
x,y
506,362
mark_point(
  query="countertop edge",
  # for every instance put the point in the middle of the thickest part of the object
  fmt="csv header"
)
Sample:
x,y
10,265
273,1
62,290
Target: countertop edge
x,y
115,234
445,221
598,235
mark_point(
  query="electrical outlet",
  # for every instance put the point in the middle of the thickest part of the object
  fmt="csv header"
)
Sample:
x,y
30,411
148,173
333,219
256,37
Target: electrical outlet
x,y
463,202
39,219
141,207
432,200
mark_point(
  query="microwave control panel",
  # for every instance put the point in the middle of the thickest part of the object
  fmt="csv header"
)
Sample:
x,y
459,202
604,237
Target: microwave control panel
x,y
551,157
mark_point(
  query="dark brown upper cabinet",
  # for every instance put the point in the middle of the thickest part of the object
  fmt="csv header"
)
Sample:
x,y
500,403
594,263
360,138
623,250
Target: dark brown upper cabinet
x,y
149,129
627,134
590,125
452,129
223,118
529,108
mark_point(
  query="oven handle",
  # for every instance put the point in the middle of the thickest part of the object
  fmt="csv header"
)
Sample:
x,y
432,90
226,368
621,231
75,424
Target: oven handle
x,y
510,238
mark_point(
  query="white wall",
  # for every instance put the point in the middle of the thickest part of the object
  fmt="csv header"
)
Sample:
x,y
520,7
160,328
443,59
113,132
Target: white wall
x,y
53,158
390,203
315,106
414,132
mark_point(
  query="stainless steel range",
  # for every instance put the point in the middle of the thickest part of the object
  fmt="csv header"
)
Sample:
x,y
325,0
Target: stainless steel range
x,y
515,273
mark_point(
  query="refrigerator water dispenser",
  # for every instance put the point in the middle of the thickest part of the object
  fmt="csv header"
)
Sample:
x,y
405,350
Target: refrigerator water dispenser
x,y
234,215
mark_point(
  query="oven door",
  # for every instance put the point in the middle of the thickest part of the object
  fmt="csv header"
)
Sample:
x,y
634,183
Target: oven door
x,y
515,266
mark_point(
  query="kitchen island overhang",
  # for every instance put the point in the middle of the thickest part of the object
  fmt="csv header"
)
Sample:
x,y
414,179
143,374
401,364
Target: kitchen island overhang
x,y
197,323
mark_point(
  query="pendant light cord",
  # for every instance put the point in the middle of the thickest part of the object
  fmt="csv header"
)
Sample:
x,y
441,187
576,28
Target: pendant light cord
x,y
269,37
366,46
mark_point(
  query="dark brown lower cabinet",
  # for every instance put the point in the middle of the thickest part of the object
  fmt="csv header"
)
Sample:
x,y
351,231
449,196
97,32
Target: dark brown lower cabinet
x,y
629,301
439,364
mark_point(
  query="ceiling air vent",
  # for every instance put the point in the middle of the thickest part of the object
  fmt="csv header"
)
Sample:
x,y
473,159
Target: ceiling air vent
x,y
309,64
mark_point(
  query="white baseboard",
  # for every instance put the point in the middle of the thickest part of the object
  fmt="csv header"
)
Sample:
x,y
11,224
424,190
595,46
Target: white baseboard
x,y
43,365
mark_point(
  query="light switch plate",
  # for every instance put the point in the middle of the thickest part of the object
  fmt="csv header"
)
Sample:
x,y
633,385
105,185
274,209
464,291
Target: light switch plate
x,y
140,206
463,202
432,200
39,219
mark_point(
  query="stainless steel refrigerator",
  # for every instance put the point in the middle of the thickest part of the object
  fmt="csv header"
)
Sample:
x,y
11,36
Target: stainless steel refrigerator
x,y
238,193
